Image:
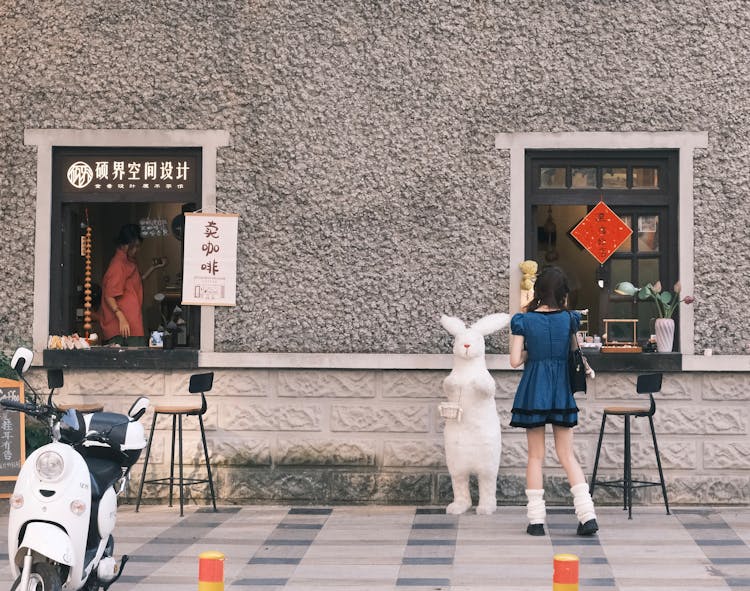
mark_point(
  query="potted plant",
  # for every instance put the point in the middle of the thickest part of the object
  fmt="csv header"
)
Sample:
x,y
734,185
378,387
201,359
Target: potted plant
x,y
666,303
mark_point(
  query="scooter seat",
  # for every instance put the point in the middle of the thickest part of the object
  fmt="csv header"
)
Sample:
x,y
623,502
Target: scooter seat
x,y
104,473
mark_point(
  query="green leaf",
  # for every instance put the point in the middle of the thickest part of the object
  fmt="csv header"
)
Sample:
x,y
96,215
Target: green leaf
x,y
6,371
646,292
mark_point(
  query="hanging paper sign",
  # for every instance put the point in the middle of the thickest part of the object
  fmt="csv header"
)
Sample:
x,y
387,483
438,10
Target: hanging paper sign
x,y
209,273
601,232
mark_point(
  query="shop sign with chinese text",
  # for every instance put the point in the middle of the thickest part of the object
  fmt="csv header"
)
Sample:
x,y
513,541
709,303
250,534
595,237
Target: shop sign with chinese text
x,y
601,232
137,172
209,275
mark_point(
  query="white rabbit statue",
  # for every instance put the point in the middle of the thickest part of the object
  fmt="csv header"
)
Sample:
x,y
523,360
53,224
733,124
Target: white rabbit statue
x,y
472,438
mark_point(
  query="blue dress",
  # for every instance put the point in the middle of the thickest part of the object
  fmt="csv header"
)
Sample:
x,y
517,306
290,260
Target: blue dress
x,y
543,395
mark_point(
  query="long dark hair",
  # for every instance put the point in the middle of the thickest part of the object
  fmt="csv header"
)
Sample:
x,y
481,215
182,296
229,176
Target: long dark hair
x,y
550,289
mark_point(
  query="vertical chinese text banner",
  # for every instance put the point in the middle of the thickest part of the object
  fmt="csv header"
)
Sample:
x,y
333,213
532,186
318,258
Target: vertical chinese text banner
x,y
209,274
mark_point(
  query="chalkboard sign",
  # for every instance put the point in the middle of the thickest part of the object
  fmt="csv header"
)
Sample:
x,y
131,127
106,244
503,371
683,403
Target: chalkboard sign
x,y
12,433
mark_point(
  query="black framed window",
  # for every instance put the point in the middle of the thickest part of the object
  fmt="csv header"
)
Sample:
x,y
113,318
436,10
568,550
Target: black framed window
x,y
104,188
640,186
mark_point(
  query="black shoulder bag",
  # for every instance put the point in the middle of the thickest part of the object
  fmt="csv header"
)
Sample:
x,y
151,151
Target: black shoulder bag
x,y
577,365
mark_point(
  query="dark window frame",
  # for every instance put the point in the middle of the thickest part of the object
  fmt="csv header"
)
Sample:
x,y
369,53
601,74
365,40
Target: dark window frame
x,y
65,237
663,200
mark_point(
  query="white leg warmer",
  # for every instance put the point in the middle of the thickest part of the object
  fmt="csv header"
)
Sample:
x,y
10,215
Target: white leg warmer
x,y
535,508
584,505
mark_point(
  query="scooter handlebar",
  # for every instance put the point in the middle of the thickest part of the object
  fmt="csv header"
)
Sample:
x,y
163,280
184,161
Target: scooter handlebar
x,y
26,407
15,405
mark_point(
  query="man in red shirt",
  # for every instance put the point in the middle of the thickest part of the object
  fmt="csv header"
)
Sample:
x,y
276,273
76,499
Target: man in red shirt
x,y
122,292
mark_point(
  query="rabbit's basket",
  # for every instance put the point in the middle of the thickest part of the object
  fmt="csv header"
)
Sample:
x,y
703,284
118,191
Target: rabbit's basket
x,y
450,411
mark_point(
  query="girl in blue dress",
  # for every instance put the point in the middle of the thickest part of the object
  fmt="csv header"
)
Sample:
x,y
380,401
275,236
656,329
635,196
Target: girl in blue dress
x,y
540,341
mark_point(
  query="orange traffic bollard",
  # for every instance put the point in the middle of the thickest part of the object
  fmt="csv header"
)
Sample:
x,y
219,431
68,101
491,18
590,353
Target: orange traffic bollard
x,y
565,573
211,571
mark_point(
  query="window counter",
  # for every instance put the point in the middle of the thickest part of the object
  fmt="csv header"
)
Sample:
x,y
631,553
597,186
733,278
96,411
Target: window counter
x,y
121,358
635,362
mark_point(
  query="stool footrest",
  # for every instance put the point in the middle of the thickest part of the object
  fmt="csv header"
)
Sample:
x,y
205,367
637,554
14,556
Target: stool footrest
x,y
167,481
621,483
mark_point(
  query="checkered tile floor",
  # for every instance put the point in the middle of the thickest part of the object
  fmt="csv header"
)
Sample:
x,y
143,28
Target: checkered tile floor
x,y
409,548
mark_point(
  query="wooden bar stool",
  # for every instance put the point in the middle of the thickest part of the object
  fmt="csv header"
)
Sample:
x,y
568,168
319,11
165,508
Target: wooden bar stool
x,y
55,380
646,384
198,383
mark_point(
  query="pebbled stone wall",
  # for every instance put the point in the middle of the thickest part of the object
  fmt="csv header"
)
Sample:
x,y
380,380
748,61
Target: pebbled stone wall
x,y
376,437
372,200
361,158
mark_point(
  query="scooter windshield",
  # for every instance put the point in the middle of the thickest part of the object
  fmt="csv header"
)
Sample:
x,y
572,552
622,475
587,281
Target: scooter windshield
x,y
72,427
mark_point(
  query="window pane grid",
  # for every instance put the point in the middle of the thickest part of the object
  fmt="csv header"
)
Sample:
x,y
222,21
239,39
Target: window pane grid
x,y
618,176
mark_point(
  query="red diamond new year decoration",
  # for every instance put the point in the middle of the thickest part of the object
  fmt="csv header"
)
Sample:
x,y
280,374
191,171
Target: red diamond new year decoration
x,y
601,232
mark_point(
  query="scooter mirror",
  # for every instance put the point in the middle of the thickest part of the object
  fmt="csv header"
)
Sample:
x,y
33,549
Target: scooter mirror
x,y
139,408
21,361
54,378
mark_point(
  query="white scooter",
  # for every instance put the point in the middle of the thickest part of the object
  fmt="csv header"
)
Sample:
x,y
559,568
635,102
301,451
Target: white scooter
x,y
64,504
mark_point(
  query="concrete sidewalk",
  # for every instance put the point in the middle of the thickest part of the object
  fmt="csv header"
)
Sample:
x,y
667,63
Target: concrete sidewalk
x,y
380,548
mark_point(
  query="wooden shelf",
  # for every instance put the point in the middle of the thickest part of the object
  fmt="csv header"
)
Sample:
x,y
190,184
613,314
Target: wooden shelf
x,y
621,349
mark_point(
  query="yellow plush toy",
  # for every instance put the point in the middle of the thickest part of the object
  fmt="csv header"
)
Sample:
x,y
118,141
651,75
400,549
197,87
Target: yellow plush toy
x,y
529,269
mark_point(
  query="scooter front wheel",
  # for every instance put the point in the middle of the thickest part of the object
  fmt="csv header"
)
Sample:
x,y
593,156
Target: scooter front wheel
x,y
43,577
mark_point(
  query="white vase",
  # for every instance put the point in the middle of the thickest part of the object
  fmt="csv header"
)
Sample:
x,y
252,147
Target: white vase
x,y
664,328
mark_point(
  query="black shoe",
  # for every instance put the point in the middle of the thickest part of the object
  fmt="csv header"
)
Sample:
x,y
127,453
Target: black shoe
x,y
588,529
535,529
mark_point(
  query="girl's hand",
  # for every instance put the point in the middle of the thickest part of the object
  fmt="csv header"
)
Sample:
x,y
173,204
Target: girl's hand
x,y
124,325
156,263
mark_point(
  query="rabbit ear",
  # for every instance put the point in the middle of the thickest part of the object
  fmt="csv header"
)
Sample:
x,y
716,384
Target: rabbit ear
x,y
491,323
452,324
